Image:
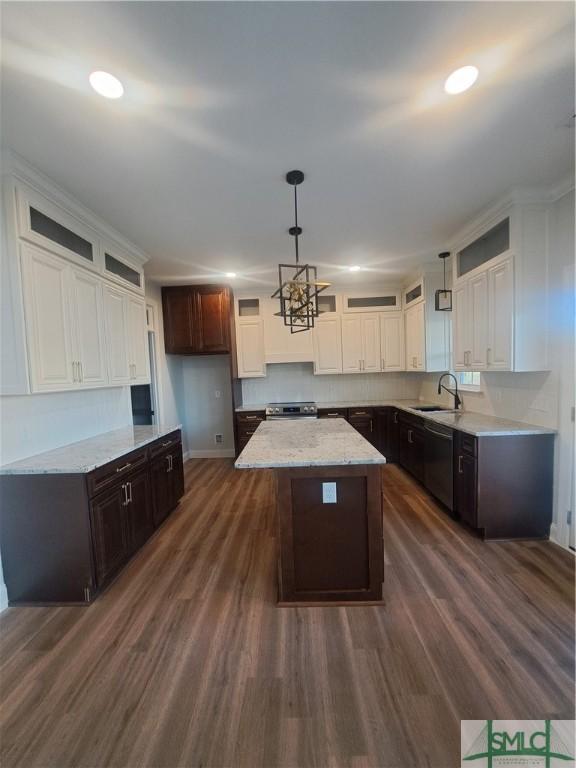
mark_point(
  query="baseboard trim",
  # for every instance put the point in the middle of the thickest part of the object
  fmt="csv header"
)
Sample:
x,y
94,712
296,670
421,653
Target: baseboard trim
x,y
3,597
211,453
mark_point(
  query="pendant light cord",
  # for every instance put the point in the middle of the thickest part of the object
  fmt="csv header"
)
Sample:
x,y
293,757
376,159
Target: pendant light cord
x,y
296,220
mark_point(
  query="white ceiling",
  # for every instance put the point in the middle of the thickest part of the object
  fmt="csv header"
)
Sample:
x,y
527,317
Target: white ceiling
x,y
221,99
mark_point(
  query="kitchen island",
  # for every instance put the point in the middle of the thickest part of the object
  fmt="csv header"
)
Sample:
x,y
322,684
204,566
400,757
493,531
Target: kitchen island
x,y
329,510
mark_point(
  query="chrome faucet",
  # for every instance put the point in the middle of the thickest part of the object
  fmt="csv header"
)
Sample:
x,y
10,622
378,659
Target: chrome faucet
x,y
453,392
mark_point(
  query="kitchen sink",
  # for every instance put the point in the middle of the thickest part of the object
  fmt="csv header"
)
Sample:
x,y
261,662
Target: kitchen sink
x,y
431,408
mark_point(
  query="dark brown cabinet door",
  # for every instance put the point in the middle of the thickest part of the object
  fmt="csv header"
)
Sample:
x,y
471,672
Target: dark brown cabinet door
x,y
178,309
177,476
110,534
366,428
197,319
139,510
411,449
161,488
466,489
213,318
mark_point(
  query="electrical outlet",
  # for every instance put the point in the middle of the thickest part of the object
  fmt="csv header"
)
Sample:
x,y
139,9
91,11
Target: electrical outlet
x,y
218,439
217,394
329,493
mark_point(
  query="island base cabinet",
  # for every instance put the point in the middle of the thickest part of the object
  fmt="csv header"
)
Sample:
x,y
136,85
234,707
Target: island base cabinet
x,y
110,532
331,548
167,473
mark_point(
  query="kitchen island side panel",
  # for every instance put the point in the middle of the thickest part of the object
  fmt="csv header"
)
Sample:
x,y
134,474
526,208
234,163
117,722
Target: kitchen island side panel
x,y
330,552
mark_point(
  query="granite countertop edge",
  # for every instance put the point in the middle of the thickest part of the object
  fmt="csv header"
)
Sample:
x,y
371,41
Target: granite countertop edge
x,y
495,426
39,464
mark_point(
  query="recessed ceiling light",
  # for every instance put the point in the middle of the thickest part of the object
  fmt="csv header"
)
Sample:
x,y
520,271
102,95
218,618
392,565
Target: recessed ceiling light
x,y
354,268
230,274
461,79
106,85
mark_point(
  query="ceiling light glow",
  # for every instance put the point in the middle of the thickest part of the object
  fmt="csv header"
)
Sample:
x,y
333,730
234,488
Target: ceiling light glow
x,y
354,268
106,85
230,274
461,79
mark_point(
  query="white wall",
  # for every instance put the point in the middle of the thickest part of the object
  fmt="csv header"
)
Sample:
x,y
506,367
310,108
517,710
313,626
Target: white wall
x,y
543,398
296,381
205,414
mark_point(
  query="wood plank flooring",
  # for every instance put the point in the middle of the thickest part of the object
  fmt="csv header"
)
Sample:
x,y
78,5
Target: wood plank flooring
x,y
187,662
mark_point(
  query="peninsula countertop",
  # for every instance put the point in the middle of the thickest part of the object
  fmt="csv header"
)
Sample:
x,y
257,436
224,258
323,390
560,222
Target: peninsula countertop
x,y
307,443
477,424
87,455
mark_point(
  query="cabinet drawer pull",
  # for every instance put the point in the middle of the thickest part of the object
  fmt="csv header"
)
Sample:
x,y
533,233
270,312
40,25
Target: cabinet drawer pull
x,y
460,470
395,417
360,413
121,469
125,491
169,460
332,414
250,433
252,418
410,436
167,443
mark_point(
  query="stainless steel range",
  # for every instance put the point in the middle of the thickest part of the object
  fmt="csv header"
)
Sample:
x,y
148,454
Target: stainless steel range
x,y
291,411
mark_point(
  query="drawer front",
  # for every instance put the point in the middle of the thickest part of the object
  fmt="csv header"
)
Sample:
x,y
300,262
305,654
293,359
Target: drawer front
x,y
409,418
115,471
360,413
468,444
245,431
168,441
332,413
250,417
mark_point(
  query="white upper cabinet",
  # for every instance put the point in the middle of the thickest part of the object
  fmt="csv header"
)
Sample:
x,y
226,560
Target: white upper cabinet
x,y
88,324
115,308
48,225
249,337
415,338
351,344
328,345
392,342
500,311
137,344
501,265
371,358
71,316
49,330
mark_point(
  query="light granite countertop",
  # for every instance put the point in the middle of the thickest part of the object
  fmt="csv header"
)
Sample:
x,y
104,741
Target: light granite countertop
x,y
477,424
311,443
87,455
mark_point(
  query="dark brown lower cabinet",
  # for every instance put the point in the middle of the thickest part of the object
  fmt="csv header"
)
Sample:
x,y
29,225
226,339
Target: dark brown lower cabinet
x,y
412,446
65,537
466,489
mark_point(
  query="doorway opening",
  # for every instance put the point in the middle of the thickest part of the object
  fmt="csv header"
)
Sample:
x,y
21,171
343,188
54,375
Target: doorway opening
x,y
145,396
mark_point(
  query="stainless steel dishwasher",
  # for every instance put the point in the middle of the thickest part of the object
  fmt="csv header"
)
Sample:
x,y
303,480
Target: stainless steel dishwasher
x,y
439,461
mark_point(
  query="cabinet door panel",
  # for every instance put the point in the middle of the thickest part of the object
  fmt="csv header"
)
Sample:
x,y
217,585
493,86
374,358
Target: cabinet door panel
x,y
177,475
139,510
328,346
351,344
500,316
213,311
250,348
109,525
47,303
138,341
89,327
161,488
178,311
371,360
460,326
478,309
415,338
117,335
466,489
392,342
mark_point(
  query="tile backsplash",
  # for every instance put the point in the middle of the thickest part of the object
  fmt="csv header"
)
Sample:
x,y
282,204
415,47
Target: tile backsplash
x,y
296,381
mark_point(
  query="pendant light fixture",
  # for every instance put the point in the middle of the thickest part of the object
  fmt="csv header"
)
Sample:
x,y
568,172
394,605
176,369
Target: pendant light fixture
x,y
298,287
443,296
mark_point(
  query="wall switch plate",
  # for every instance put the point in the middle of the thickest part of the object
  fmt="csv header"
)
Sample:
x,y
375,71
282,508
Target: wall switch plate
x,y
329,493
217,394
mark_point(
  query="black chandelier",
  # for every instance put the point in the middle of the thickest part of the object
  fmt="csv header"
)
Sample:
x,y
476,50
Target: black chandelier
x,y
298,287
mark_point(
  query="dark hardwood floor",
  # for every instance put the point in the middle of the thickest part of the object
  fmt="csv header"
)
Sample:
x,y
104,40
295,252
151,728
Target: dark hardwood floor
x,y
186,661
